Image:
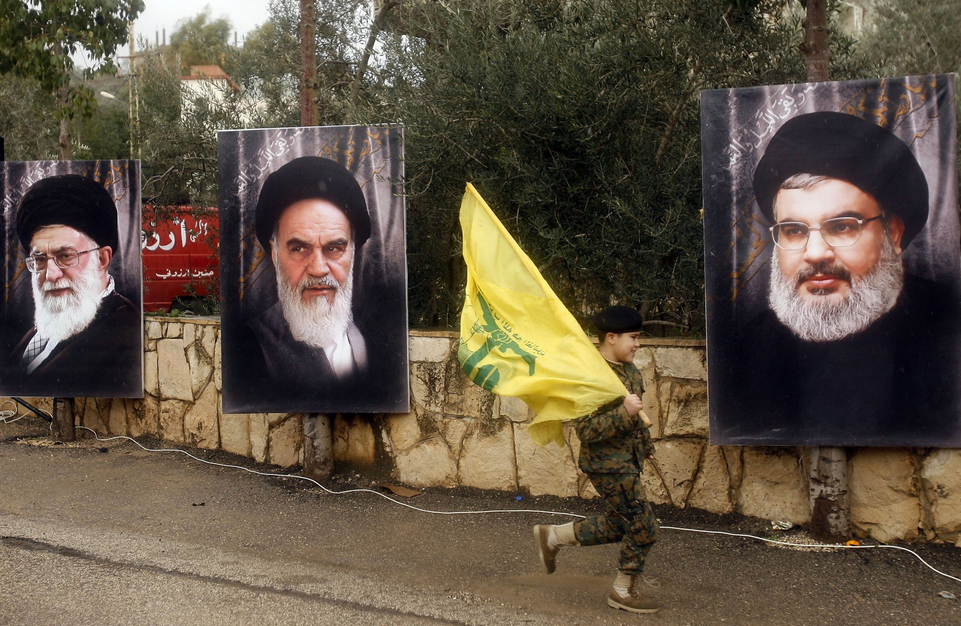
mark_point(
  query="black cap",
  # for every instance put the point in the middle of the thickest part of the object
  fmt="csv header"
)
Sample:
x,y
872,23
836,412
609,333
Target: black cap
x,y
846,147
75,201
618,319
311,177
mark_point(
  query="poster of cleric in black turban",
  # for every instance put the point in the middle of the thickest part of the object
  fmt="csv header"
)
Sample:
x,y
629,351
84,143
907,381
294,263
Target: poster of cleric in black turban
x,y
72,309
313,270
832,264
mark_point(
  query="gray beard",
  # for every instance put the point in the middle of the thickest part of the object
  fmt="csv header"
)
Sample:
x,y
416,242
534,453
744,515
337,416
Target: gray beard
x,y
870,297
317,323
61,317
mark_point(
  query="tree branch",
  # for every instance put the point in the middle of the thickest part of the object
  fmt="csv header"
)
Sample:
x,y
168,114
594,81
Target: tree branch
x,y
375,29
692,84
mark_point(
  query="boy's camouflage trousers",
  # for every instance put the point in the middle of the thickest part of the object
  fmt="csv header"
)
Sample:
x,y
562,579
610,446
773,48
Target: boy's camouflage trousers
x,y
629,519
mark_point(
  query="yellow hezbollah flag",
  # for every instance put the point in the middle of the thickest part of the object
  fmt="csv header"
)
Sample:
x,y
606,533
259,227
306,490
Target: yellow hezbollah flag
x,y
516,337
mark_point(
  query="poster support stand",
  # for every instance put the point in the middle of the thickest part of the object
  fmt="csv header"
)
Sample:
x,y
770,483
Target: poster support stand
x,y
828,485
63,427
318,447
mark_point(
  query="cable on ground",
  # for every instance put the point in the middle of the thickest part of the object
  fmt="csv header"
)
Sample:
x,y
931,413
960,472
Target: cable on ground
x,y
9,416
562,513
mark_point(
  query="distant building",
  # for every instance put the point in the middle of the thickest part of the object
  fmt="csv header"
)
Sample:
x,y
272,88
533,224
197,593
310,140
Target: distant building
x,y
857,15
206,79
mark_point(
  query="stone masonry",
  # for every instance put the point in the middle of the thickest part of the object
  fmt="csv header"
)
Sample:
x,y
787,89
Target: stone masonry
x,y
457,434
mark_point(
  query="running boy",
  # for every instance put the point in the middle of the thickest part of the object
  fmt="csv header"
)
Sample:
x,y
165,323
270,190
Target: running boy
x,y
615,440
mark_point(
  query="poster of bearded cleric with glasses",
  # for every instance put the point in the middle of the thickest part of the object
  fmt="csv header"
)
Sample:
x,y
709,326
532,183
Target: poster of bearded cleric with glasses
x,y
832,264
313,270
72,308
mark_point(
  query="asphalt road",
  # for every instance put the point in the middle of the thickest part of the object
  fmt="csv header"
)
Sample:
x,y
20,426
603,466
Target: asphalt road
x,y
105,533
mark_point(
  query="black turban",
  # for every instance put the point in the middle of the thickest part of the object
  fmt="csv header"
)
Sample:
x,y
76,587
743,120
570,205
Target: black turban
x,y
75,201
851,149
311,177
618,319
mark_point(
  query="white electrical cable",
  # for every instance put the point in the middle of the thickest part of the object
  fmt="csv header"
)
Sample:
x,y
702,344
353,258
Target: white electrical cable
x,y
334,493
404,504
816,545
6,414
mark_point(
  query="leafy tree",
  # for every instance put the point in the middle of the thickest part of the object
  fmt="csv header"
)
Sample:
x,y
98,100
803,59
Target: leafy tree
x,y
270,62
38,37
27,119
105,134
176,132
200,40
910,37
906,37
177,143
579,125
177,128
579,122
268,65
344,73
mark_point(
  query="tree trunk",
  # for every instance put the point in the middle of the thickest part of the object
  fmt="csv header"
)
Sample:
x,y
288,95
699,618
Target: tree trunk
x,y
308,64
817,56
66,153
63,106
318,446
828,486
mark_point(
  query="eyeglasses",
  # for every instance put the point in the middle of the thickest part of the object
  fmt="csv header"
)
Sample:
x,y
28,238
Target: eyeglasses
x,y
37,263
837,232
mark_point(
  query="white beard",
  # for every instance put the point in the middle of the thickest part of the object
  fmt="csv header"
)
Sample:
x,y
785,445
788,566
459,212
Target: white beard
x,y
318,323
61,317
870,297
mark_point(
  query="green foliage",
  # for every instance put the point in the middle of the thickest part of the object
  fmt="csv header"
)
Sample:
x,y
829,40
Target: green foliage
x,y
103,135
37,39
200,40
167,166
269,66
176,138
910,37
577,121
846,59
907,37
29,125
176,129
27,119
176,132
581,129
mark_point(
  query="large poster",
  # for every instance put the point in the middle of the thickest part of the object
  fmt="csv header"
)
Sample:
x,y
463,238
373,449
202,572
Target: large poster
x,y
832,263
313,270
72,309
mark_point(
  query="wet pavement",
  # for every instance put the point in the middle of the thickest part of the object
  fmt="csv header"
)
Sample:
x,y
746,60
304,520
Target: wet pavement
x,y
106,533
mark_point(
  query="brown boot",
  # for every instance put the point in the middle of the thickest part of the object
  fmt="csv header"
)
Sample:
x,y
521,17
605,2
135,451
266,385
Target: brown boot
x,y
633,601
549,540
547,553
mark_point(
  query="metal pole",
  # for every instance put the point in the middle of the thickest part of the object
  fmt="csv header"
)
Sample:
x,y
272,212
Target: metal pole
x,y
37,411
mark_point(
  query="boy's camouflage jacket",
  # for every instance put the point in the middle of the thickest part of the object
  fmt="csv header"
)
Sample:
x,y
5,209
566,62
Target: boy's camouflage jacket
x,y
613,442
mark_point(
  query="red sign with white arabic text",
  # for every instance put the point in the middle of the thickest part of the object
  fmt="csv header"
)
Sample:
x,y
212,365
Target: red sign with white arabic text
x,y
180,256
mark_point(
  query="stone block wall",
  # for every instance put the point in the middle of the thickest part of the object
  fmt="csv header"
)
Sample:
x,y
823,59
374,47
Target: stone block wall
x,y
181,402
457,434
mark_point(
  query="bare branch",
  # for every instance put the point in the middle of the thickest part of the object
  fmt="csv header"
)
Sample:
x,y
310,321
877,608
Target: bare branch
x,y
375,29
